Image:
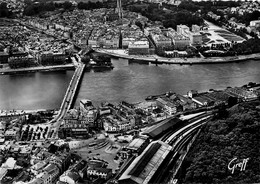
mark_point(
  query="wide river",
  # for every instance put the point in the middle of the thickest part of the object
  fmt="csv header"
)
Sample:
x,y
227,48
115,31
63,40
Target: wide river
x,y
129,82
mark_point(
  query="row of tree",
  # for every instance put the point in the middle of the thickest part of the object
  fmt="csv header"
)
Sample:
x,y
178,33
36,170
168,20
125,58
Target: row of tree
x,y
206,6
91,5
43,6
250,46
191,52
181,17
25,62
246,17
29,133
37,8
170,17
4,11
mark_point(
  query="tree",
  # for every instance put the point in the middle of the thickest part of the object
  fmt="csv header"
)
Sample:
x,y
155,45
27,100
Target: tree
x,y
67,5
39,135
29,10
46,129
82,5
236,135
232,101
49,6
85,59
139,24
189,5
4,11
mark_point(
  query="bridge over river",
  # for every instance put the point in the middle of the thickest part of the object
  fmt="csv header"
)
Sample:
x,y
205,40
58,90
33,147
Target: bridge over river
x,y
68,98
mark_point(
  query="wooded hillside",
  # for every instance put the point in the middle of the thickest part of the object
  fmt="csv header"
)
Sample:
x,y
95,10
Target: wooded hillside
x,y
235,136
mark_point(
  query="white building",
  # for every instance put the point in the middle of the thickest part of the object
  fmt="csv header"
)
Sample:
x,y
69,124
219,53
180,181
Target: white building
x,y
11,134
112,124
167,106
10,163
45,177
255,23
182,29
93,42
90,113
126,41
99,172
138,48
195,28
180,42
69,177
195,38
35,169
161,41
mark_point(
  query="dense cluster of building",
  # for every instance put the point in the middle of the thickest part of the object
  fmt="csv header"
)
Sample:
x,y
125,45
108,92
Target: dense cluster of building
x,y
26,159
106,28
215,98
10,130
51,162
159,37
48,163
246,7
45,162
174,103
180,38
22,47
111,28
98,29
76,123
122,117
147,160
171,2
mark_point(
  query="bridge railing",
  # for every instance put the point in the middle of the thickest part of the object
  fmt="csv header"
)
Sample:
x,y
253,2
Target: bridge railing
x,y
63,108
68,89
81,69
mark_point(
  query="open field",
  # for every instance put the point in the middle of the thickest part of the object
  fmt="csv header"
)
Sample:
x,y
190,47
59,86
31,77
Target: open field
x,y
205,39
217,35
231,37
228,35
222,31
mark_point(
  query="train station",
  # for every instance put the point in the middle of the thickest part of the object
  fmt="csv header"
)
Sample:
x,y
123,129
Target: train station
x,y
144,167
160,128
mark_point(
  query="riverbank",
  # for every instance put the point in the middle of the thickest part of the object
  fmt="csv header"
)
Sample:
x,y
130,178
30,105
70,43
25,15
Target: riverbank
x,y
15,112
5,71
162,60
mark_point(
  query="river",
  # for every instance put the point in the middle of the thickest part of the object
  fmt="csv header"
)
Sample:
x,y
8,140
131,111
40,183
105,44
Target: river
x,y
129,82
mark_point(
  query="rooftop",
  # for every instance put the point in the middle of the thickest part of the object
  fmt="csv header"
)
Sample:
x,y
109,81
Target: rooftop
x,y
3,54
74,176
160,127
144,166
136,143
138,44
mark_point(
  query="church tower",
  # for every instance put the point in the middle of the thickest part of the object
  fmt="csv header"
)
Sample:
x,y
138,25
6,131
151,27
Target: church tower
x,y
119,9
